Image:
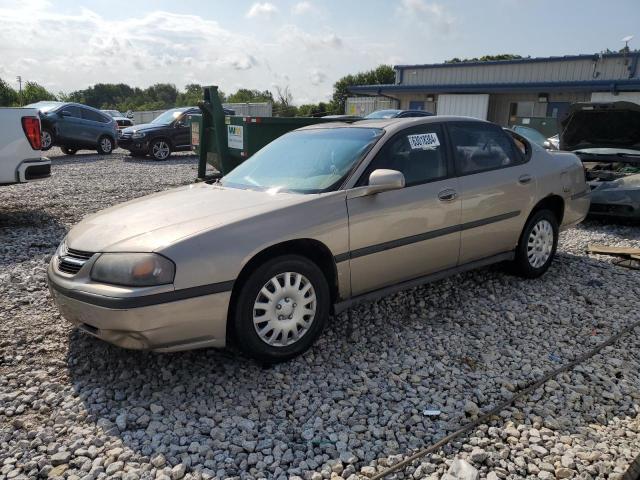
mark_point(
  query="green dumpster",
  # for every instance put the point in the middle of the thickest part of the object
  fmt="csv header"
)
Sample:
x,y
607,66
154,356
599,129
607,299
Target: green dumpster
x,y
225,141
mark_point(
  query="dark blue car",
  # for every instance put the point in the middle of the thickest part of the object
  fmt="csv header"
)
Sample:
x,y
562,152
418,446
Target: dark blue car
x,y
73,127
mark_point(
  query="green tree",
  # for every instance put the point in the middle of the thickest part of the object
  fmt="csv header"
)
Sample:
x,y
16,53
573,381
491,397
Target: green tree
x,y
383,75
313,110
283,106
8,96
486,58
34,92
244,95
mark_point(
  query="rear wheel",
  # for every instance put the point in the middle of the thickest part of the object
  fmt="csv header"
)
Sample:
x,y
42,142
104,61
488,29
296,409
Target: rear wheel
x,y
46,139
160,149
68,151
105,145
281,309
537,245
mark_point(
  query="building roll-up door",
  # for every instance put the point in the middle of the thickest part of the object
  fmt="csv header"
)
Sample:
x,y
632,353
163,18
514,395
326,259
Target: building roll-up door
x,y
475,106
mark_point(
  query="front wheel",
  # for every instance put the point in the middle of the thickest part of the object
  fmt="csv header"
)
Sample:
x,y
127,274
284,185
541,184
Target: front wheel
x,y
537,245
281,309
105,145
160,149
46,139
68,151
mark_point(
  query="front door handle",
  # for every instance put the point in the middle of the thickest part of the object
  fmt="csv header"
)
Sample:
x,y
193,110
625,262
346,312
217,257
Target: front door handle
x,y
448,195
524,179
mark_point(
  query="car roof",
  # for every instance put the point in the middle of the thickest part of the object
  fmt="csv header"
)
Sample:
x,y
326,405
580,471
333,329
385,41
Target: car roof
x,y
393,124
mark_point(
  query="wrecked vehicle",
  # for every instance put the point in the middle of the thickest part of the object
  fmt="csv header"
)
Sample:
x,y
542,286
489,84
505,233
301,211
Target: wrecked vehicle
x,y
606,137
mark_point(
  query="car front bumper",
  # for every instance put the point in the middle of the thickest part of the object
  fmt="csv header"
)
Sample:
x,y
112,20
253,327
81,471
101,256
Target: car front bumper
x,y
184,324
133,144
615,203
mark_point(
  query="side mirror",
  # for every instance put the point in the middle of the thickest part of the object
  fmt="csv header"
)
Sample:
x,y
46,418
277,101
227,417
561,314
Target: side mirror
x,y
129,115
380,180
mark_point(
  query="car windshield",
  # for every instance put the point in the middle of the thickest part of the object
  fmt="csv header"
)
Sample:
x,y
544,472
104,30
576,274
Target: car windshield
x,y
45,107
169,116
531,134
383,114
304,161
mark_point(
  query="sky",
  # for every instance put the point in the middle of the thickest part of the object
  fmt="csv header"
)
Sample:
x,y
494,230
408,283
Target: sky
x,y
304,44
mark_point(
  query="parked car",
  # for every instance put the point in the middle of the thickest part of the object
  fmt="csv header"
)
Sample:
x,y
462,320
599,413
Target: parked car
x,y
606,137
320,219
20,157
73,127
169,132
122,120
393,113
534,136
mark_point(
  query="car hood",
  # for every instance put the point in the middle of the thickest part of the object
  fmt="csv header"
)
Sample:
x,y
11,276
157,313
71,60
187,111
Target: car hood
x,y
144,127
601,125
156,221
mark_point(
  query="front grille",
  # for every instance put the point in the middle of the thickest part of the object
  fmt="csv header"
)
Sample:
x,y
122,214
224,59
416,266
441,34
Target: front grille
x,y
71,260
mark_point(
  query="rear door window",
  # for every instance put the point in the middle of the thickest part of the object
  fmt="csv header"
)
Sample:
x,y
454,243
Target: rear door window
x,y
480,147
71,111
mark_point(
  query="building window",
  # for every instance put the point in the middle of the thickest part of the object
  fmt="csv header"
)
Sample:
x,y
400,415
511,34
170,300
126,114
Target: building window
x,y
521,109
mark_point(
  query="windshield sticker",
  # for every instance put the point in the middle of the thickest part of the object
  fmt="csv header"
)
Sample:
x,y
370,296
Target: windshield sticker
x,y
424,141
235,137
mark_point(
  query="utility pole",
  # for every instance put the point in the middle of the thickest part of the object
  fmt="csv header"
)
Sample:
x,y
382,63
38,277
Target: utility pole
x,y
19,79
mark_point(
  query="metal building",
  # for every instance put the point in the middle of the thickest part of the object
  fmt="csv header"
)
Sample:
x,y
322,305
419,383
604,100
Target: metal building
x,y
525,91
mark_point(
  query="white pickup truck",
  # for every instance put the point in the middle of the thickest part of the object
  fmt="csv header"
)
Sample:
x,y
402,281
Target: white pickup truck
x,y
20,155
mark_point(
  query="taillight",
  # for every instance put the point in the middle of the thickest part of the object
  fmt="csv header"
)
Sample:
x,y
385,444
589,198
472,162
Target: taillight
x,y
31,127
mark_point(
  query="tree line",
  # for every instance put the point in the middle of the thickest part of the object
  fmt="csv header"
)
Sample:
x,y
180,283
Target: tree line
x,y
162,96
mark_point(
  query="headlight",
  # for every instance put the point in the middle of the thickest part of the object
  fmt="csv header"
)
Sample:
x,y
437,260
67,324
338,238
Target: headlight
x,y
138,135
133,269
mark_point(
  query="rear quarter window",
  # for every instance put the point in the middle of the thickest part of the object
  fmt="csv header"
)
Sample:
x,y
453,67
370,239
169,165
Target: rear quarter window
x,y
94,116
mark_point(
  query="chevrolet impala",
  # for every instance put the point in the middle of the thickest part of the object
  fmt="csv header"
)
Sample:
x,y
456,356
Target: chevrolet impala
x,y
317,221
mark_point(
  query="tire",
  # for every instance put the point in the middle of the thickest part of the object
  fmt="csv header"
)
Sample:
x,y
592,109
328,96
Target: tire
x,y
68,151
273,339
105,145
537,245
160,149
46,138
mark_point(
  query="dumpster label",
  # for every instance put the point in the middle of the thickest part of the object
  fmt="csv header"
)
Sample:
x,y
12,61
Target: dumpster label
x,y
424,141
235,137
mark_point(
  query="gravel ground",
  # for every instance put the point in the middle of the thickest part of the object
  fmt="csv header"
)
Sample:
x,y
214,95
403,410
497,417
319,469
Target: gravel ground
x,y
74,407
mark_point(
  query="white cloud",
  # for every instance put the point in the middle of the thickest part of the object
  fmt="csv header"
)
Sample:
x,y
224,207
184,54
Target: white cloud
x,y
71,50
302,8
317,77
292,36
430,14
265,9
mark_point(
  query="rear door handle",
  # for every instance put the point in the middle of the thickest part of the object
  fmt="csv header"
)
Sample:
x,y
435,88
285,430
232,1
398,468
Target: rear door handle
x,y
524,179
448,195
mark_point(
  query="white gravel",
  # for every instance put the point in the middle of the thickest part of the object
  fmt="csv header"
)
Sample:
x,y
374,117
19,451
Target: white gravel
x,y
72,406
